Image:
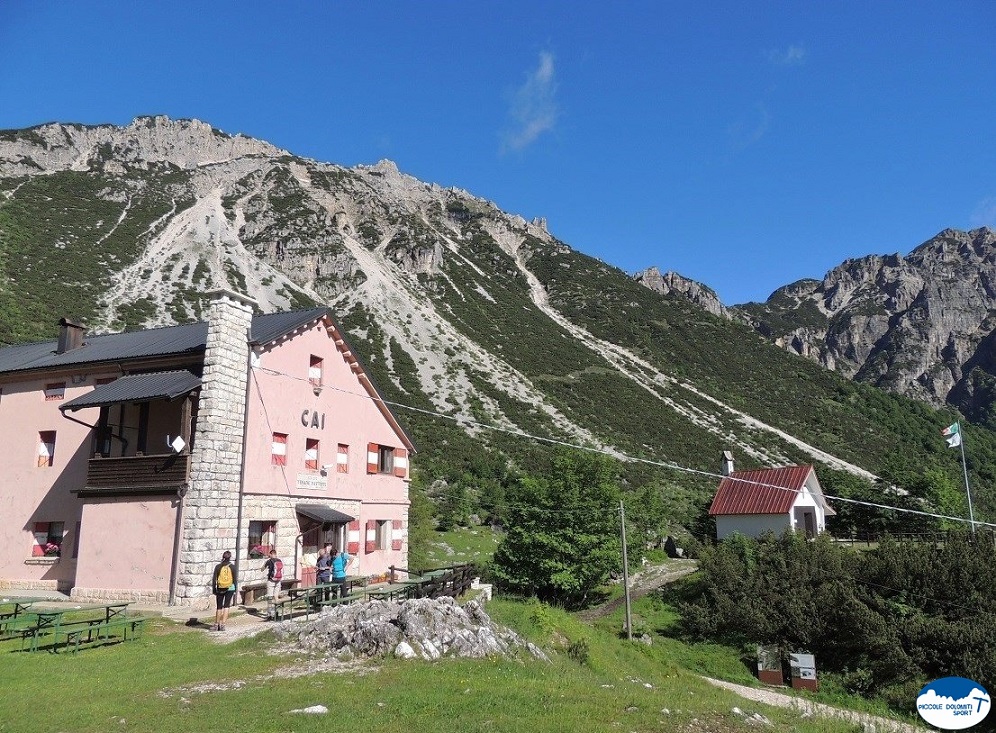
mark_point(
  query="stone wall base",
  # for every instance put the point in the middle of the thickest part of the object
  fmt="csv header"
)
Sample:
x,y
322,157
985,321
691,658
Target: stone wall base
x,y
62,586
120,594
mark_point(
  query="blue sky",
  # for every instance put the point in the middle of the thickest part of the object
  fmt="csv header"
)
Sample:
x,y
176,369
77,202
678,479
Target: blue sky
x,y
745,145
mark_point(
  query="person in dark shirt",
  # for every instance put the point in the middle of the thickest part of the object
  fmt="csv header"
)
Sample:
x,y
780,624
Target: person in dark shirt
x,y
274,568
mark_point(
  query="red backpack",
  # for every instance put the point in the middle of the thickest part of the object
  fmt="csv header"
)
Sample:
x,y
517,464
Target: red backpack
x,y
278,570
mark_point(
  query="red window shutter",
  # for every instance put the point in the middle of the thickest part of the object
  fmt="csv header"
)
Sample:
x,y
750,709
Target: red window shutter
x,y
395,534
278,449
311,454
41,537
400,462
371,535
373,451
353,540
342,459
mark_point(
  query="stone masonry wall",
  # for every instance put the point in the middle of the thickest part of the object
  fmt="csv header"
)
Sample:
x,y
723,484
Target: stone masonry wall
x,y
103,595
281,509
211,505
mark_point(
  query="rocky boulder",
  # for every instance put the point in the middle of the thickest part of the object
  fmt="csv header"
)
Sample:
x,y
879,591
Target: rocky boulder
x,y
420,628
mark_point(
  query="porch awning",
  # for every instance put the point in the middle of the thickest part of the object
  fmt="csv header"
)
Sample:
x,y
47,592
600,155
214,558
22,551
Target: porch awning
x,y
137,388
323,513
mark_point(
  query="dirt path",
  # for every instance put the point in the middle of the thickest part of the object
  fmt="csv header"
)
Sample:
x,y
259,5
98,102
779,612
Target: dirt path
x,y
646,581
807,708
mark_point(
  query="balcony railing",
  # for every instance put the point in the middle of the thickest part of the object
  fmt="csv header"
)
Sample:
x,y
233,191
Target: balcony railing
x,y
138,473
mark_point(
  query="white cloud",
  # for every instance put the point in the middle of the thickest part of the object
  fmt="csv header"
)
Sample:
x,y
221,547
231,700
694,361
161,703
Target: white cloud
x,y
533,108
984,214
794,55
751,128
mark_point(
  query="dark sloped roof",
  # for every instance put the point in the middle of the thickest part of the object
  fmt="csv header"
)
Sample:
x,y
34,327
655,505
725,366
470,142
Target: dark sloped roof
x,y
761,491
269,327
137,388
174,340
154,342
323,513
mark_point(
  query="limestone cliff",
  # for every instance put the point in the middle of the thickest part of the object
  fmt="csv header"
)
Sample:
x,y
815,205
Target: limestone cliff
x,y
920,325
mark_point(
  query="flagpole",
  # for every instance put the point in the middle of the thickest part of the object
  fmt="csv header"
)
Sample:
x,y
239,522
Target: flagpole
x,y
964,469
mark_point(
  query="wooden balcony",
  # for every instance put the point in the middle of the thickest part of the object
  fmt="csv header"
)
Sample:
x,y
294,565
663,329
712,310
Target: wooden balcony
x,y
158,474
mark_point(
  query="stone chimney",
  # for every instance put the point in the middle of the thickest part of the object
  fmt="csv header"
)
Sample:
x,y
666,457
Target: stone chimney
x,y
70,336
211,506
727,463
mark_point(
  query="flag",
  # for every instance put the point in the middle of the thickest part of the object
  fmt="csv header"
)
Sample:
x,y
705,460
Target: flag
x,y
952,434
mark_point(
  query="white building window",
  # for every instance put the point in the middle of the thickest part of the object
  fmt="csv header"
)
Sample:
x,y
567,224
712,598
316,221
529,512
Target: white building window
x,y
46,448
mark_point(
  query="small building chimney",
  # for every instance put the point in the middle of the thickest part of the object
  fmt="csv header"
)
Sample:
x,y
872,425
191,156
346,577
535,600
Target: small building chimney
x,y
727,463
70,336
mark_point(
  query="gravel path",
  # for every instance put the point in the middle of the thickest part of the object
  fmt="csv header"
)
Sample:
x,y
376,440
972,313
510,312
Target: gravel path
x,y
644,582
807,708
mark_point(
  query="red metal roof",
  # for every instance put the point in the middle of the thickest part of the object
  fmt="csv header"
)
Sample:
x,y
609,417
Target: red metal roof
x,y
758,492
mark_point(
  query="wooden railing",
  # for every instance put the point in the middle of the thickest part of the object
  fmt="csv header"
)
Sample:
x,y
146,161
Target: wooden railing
x,y
138,472
451,581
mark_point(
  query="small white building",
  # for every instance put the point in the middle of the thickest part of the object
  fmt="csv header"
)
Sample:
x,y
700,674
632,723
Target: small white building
x,y
769,499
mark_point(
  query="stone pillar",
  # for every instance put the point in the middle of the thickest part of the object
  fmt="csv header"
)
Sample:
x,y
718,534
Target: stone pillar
x,y
211,505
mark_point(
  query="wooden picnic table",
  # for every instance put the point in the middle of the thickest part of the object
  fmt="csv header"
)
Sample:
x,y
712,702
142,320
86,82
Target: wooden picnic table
x,y
49,621
20,612
311,595
19,604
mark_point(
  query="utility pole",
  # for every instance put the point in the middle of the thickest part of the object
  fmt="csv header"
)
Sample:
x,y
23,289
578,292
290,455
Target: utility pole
x,y
625,559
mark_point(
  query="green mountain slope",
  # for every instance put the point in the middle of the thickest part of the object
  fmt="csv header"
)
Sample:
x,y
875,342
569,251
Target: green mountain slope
x,y
458,309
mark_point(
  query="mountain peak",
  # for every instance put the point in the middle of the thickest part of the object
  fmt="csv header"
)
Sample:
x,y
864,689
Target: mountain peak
x,y
672,283
184,143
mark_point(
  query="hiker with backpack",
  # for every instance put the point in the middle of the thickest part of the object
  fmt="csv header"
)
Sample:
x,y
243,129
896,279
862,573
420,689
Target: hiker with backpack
x,y
274,568
223,582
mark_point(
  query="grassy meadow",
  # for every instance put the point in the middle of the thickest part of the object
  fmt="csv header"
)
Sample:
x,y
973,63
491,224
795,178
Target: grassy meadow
x,y
476,545
595,681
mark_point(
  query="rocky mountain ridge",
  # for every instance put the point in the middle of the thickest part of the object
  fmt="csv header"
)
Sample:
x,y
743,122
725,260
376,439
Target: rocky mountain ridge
x,y
695,292
147,141
921,325
460,309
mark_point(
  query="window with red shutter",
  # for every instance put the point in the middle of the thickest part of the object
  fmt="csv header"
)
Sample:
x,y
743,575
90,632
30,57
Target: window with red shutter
x,y
262,537
278,449
311,454
46,448
353,538
48,539
315,371
370,541
400,462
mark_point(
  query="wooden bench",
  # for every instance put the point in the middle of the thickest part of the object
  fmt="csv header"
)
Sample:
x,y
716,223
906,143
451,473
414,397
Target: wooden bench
x,y
102,631
389,592
341,601
303,599
252,592
49,623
